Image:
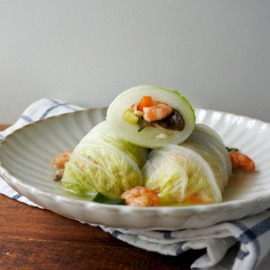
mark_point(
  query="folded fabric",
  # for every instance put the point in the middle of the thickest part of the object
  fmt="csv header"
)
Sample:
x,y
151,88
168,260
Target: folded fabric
x,y
239,244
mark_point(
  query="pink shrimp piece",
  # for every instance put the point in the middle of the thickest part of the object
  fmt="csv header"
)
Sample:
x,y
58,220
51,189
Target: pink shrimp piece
x,y
157,112
60,160
242,161
140,196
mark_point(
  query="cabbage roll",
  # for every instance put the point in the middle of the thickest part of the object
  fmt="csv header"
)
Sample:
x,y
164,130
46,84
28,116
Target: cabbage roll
x,y
193,172
151,116
103,162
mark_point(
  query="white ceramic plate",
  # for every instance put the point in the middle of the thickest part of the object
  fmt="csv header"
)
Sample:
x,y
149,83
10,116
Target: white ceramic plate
x,y
26,154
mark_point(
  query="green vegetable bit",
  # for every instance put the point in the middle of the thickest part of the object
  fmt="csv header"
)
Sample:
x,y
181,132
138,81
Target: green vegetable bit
x,y
232,149
130,117
101,198
141,125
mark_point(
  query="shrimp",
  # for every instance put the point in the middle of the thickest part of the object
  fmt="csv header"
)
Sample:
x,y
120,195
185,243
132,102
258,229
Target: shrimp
x,y
140,196
60,160
240,160
157,112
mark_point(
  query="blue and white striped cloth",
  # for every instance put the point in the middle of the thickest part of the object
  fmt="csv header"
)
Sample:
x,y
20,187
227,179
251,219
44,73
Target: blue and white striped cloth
x,y
241,244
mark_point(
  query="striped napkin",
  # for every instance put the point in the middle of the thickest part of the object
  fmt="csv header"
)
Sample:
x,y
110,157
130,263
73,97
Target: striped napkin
x,y
240,244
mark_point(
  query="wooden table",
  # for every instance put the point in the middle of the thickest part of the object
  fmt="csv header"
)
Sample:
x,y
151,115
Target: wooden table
x,y
31,238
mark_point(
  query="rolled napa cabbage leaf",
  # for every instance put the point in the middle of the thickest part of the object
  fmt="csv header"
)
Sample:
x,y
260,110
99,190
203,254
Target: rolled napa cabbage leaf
x,y
204,136
194,172
175,116
103,162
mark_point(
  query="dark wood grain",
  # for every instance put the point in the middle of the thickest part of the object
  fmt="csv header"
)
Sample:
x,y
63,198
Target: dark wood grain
x,y
2,127
32,238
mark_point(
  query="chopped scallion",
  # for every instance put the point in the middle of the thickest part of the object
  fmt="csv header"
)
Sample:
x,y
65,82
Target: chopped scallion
x,y
141,124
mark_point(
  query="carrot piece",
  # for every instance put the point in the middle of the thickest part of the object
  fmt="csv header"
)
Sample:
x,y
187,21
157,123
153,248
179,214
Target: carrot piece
x,y
145,102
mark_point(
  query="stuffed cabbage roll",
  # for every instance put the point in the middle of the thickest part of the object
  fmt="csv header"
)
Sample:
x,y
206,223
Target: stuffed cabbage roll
x,y
151,116
193,172
103,162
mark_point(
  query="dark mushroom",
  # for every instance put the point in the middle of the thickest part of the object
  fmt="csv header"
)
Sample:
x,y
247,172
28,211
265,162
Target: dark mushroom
x,y
174,121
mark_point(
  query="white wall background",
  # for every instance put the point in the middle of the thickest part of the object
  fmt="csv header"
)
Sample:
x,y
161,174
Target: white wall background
x,y
87,52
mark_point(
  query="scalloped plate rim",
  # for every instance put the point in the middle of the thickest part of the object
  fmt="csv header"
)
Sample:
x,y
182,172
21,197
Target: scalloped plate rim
x,y
12,180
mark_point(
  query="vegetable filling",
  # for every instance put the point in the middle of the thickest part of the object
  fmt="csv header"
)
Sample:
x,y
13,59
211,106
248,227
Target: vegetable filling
x,y
154,113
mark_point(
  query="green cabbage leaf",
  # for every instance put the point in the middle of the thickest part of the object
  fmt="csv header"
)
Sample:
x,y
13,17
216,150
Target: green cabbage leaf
x,y
103,162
